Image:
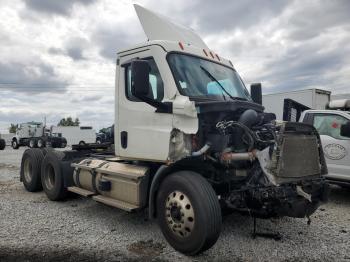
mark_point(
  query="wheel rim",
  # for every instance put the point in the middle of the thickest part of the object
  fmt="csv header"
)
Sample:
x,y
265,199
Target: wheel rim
x,y
179,214
31,143
49,177
14,143
28,170
40,144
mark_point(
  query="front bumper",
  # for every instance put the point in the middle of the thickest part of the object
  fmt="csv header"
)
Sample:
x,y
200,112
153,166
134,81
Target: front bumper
x,y
279,201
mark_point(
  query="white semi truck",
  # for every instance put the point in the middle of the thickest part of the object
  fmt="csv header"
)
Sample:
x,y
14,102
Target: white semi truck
x,y
189,142
34,134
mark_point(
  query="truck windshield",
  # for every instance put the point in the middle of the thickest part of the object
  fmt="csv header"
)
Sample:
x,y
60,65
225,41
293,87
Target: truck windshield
x,y
201,78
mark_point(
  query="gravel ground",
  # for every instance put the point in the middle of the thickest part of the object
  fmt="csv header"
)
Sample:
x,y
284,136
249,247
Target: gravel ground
x,y
32,228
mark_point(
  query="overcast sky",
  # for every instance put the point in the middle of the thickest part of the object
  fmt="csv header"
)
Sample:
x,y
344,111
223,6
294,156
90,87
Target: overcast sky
x,y
57,57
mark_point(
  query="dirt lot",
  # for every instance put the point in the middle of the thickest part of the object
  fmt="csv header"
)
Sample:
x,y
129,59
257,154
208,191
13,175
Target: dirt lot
x,y
32,228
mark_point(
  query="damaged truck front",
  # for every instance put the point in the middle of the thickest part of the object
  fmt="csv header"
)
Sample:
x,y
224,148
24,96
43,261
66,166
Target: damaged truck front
x,y
190,142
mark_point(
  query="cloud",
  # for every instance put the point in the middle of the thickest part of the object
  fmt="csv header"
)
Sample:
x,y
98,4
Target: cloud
x,y
30,78
316,17
58,7
113,38
209,16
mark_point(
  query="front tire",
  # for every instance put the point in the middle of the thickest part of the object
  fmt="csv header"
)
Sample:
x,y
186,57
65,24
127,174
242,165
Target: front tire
x,y
31,169
14,144
188,212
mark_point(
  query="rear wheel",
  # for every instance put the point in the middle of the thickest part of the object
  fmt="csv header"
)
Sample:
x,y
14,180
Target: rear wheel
x,y
188,212
82,143
41,143
52,176
31,169
2,144
15,144
32,143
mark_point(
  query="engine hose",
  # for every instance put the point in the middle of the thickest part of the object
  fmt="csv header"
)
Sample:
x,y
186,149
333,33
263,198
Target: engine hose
x,y
202,150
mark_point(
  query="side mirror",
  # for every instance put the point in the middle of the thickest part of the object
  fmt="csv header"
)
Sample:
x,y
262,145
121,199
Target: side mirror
x,y
140,78
256,93
345,129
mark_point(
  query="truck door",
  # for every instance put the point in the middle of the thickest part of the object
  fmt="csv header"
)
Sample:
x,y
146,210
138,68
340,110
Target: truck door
x,y
336,148
142,133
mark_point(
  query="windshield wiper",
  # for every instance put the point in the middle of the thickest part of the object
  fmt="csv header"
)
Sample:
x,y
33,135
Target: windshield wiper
x,y
216,81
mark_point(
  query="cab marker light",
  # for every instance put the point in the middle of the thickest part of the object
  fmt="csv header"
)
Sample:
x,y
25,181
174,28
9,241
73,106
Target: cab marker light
x,y
211,54
231,63
217,57
181,45
205,52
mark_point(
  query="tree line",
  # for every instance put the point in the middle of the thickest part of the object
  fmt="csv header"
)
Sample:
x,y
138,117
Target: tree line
x,y
63,122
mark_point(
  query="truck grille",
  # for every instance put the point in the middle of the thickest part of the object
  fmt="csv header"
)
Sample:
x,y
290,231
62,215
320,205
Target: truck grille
x,y
298,156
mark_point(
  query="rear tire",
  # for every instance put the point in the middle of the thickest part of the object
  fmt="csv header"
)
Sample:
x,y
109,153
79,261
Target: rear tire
x,y
32,143
41,143
31,169
82,143
188,212
52,176
2,144
15,144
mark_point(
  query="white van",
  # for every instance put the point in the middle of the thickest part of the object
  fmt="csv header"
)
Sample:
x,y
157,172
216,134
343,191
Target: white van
x,y
76,134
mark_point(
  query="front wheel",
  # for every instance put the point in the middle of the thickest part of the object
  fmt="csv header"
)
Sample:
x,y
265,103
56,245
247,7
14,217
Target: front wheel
x,y
14,144
188,212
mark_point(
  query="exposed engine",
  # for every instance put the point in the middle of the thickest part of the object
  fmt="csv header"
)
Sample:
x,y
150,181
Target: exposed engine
x,y
257,165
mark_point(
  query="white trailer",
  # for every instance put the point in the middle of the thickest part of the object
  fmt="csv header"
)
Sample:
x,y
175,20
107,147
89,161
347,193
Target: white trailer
x,y
76,134
311,98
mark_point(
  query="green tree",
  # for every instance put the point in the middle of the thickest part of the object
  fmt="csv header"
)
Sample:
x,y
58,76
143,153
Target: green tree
x,y
69,122
13,128
76,122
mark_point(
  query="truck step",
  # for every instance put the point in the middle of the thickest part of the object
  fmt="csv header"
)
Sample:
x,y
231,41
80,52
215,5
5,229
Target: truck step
x,y
80,191
115,203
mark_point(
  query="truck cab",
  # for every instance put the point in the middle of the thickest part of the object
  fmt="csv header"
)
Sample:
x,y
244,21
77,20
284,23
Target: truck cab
x,y
333,127
190,141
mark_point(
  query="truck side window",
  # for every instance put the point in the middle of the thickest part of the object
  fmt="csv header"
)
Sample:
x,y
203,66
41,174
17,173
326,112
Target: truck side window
x,y
155,83
329,124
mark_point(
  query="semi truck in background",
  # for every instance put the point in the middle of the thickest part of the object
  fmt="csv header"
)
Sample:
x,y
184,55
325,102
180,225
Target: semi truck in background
x,y
190,142
34,134
76,135
310,98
